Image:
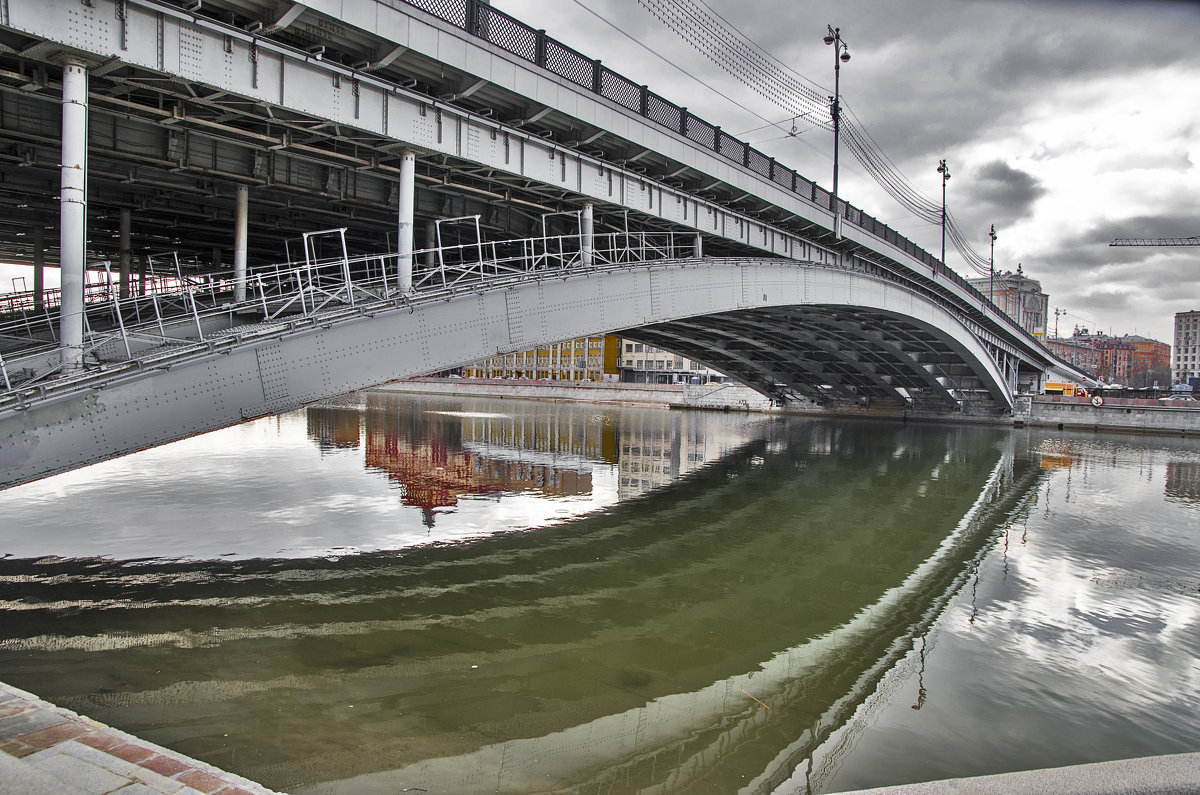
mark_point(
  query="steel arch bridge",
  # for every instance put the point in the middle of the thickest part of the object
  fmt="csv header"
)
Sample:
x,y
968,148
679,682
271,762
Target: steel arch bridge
x,y
174,364
156,137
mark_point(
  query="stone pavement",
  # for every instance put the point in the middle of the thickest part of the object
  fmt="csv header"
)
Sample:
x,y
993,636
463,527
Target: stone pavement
x,y
47,750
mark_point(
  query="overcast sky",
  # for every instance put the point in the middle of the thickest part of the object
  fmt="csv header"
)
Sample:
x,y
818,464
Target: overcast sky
x,y
1066,123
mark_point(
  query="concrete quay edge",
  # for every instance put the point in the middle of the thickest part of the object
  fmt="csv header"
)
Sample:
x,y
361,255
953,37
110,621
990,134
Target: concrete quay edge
x,y
48,750
1172,774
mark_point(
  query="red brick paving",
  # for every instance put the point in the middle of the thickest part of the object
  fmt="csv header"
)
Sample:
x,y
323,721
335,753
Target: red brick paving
x,y
53,735
100,741
66,726
198,779
164,765
17,748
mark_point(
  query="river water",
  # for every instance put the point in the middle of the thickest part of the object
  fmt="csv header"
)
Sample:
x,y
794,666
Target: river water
x,y
468,596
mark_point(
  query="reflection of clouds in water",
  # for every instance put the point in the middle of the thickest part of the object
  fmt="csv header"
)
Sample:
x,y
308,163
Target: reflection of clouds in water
x,y
1077,642
265,489
1130,628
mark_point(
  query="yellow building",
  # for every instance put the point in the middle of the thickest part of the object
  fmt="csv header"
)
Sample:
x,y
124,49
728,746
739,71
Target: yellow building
x,y
584,359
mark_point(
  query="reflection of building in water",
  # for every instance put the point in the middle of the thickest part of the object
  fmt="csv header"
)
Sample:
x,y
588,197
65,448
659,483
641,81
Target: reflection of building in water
x,y
1183,480
1057,454
435,457
653,453
333,428
571,431
434,474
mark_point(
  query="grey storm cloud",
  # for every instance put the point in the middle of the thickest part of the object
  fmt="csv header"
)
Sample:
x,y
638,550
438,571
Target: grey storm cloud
x,y
1092,249
1006,193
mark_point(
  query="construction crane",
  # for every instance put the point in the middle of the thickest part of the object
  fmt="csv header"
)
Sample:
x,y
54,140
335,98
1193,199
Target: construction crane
x,y
1156,241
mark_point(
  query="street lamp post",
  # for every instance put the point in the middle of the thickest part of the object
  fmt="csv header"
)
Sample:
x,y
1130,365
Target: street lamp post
x,y
840,55
944,170
992,266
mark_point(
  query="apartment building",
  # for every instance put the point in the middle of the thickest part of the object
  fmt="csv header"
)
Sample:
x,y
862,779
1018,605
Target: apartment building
x,y
584,359
1186,364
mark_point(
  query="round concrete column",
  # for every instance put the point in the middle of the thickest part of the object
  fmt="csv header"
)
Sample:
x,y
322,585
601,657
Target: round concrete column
x,y
73,210
404,222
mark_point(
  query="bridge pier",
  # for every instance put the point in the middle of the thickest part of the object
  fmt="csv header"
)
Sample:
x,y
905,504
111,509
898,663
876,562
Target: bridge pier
x,y
587,228
431,244
73,210
39,268
404,225
240,241
126,252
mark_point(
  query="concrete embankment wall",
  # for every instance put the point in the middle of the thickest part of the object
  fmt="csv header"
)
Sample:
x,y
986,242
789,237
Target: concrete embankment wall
x,y
1036,410
1114,414
733,397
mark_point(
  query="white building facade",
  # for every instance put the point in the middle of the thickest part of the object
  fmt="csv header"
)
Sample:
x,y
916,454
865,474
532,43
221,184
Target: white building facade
x,y
1185,362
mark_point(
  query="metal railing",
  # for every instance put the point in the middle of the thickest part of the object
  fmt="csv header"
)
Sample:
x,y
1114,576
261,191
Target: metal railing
x,y
192,316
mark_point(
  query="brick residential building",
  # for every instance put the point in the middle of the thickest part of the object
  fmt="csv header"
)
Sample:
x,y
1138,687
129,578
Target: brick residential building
x,y
1129,360
1151,362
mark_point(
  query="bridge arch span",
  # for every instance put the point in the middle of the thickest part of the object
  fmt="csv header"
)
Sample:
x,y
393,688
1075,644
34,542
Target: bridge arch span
x,y
788,328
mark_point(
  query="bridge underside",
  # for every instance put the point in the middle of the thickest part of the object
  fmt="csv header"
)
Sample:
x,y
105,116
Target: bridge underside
x,y
830,355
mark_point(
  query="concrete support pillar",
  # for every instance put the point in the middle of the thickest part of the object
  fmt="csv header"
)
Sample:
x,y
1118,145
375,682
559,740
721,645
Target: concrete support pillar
x,y
699,246
430,245
73,210
39,268
126,252
587,241
404,222
241,226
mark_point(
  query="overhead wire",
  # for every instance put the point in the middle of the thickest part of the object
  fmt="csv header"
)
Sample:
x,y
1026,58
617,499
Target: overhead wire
x,y
709,33
672,64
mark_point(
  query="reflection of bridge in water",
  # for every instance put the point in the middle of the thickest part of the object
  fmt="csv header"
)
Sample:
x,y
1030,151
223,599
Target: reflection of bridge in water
x,y
624,648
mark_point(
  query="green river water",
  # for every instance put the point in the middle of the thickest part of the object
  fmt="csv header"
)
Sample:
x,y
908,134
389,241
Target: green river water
x,y
462,596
